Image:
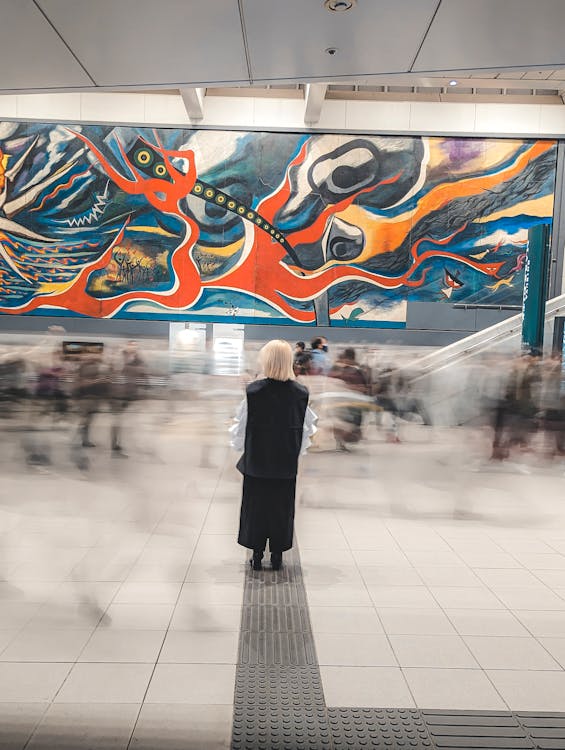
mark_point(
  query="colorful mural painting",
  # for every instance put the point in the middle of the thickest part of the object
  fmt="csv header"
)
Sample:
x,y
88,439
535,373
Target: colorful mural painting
x,y
290,228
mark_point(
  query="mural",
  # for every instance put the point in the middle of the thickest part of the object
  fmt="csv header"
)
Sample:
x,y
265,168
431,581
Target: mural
x,y
265,227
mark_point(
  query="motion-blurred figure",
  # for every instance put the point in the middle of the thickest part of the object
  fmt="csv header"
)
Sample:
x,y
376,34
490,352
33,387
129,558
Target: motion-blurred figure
x,y
515,414
320,359
385,397
302,359
553,406
348,418
92,388
128,381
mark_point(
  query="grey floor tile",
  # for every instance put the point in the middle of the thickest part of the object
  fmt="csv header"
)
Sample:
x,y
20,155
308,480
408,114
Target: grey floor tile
x,y
486,622
105,683
530,690
368,650
193,647
408,621
345,620
31,682
504,652
207,684
85,726
365,686
462,689
432,651
183,727
17,723
112,645
41,645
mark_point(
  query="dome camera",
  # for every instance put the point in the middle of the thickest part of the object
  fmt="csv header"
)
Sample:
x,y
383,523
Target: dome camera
x,y
331,51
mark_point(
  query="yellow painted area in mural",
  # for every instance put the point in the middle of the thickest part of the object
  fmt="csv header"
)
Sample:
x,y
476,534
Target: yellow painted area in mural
x,y
3,165
55,288
150,230
223,252
537,207
503,282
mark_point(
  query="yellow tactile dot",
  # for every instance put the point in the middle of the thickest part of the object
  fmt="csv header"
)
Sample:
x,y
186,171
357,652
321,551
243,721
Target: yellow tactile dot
x,y
250,215
231,204
198,188
241,209
220,199
209,193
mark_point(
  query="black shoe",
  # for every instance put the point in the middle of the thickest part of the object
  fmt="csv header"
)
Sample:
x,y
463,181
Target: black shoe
x,y
276,560
255,561
88,444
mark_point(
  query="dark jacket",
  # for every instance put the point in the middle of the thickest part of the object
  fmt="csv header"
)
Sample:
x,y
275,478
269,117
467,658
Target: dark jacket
x,y
275,423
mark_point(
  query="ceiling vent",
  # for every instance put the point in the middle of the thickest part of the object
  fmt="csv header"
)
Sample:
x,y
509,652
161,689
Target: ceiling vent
x,y
339,6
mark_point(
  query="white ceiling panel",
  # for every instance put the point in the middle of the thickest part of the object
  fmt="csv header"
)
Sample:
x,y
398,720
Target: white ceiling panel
x,y
287,38
136,42
31,53
472,34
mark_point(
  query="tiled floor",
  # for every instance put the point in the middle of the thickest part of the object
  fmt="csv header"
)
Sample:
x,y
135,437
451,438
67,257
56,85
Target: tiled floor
x,y
121,590
471,605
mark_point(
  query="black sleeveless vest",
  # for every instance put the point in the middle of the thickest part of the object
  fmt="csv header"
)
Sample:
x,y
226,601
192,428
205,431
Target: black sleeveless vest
x,y
275,422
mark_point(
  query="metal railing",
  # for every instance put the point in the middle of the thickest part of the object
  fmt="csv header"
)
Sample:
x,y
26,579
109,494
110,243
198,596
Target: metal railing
x,y
498,334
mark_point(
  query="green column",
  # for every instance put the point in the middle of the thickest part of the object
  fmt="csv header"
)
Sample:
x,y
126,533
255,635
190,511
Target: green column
x,y
536,277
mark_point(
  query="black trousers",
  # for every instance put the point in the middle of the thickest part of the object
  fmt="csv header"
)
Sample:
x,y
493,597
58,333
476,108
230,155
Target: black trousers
x,y
267,513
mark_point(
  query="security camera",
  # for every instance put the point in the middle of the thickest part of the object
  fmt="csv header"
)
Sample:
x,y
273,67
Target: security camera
x,y
331,51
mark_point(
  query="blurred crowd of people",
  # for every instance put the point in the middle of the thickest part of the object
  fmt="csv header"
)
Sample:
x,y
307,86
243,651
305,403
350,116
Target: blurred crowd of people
x,y
70,383
519,398
347,392
517,401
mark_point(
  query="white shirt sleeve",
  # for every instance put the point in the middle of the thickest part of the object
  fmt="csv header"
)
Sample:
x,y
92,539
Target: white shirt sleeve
x,y
310,419
237,430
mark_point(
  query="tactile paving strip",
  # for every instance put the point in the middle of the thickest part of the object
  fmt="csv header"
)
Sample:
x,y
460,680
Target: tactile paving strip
x,y
368,728
279,701
488,730
279,708
275,625
547,730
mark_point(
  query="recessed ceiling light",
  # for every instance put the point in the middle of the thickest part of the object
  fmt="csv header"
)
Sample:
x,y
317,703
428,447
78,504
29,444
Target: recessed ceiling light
x,y
453,83
339,6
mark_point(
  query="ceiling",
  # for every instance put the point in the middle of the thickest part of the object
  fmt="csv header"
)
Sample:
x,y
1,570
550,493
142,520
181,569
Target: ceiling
x,y
411,45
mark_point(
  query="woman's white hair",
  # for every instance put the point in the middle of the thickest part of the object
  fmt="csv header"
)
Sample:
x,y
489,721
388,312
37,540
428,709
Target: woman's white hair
x,y
276,360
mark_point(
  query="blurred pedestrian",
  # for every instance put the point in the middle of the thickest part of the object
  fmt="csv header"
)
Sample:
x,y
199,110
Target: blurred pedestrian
x,y
348,418
320,359
127,383
302,359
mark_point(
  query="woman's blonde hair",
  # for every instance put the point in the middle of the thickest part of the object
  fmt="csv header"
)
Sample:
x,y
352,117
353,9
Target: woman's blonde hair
x,y
276,360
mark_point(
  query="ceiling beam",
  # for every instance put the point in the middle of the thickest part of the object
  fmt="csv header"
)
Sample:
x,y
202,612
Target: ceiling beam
x,y
314,95
193,99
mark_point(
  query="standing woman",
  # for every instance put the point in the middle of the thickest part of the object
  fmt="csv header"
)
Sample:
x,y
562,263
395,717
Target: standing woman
x,y
272,427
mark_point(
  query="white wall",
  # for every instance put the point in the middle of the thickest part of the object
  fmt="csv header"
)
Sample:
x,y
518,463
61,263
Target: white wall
x,y
260,112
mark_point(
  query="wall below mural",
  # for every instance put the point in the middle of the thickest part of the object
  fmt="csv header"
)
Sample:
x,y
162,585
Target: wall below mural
x,y
291,228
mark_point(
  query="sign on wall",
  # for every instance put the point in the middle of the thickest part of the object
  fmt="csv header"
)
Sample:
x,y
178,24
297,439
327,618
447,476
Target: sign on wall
x,y
292,228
